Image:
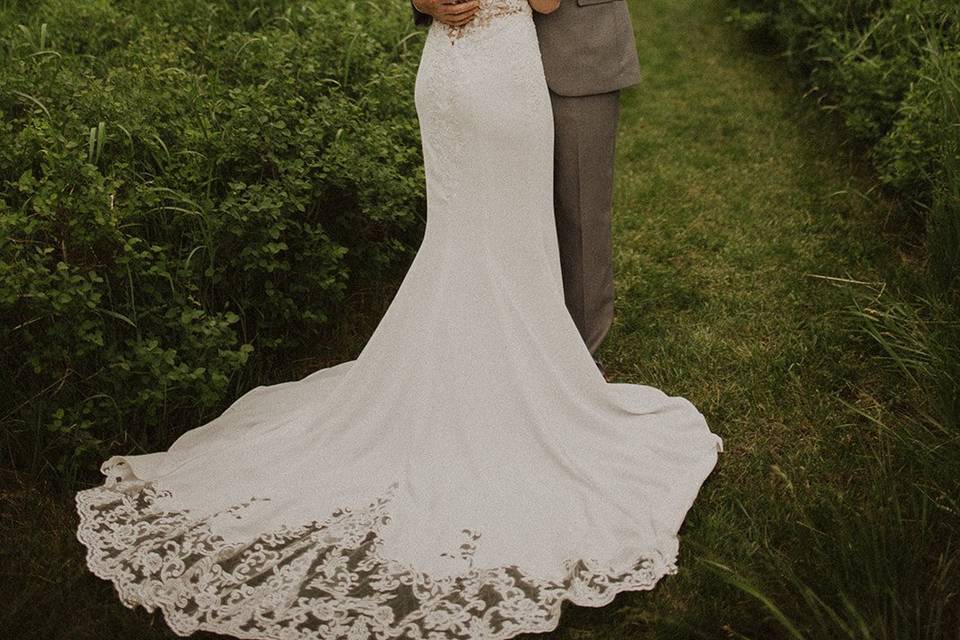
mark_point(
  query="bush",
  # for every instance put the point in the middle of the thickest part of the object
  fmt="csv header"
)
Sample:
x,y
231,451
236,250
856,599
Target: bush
x,y
184,185
890,68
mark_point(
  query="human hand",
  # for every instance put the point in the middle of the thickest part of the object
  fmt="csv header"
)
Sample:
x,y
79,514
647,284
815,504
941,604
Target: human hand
x,y
454,13
544,6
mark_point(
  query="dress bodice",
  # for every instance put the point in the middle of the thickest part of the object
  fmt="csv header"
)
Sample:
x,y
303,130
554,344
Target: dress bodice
x,y
489,11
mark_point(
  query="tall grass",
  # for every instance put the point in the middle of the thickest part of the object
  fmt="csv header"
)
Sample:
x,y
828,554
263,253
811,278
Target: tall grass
x,y
883,561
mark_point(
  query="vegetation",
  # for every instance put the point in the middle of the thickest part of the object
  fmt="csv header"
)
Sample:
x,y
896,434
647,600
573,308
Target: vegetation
x,y
787,270
184,185
890,69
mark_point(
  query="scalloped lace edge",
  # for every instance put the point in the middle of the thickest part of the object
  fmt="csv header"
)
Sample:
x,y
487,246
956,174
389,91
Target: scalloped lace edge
x,y
660,565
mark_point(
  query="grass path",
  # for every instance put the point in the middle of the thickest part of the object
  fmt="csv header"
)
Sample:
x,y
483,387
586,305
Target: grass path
x,y
731,190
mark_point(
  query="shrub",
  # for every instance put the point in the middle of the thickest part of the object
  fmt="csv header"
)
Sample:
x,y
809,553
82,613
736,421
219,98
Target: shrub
x,y
874,61
184,185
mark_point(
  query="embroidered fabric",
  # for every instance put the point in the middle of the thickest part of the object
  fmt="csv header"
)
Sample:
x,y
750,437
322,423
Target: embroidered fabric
x,y
486,12
469,471
323,579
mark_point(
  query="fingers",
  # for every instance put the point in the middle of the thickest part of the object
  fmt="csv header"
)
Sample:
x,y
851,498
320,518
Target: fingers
x,y
470,6
457,14
459,22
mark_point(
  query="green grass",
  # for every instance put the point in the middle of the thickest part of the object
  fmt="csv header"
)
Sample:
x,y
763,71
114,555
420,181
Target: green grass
x,y
745,232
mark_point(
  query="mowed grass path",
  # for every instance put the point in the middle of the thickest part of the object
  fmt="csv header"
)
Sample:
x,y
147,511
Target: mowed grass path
x,y
733,193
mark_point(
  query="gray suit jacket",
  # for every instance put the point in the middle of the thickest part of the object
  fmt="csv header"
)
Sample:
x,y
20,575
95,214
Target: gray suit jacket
x,y
588,47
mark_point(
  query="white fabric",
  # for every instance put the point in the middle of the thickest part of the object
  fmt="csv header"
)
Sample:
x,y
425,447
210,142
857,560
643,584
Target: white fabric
x,y
469,470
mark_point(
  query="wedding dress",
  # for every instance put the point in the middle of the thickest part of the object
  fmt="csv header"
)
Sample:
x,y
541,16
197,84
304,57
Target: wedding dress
x,y
470,470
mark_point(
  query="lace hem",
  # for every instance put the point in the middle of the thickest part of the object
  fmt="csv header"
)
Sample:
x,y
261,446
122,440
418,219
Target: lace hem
x,y
321,580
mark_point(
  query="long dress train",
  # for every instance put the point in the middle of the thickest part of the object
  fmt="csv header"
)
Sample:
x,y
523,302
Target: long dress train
x,y
470,470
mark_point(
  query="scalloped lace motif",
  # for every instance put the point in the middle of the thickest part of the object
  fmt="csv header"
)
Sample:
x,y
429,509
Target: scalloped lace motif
x,y
486,12
320,580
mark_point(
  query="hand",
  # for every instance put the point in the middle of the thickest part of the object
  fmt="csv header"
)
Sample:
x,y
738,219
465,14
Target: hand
x,y
449,12
545,6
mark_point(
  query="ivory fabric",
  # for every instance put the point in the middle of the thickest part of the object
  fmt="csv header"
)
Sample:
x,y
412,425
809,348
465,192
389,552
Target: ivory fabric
x,y
470,470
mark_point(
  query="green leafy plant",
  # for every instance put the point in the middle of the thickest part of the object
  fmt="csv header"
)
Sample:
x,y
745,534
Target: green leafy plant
x,y
187,189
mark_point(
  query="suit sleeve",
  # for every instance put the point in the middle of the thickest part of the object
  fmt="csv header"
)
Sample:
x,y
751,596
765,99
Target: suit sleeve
x,y
419,19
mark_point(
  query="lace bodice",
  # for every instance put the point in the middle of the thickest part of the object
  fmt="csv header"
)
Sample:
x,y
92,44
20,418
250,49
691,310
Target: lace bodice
x,y
489,10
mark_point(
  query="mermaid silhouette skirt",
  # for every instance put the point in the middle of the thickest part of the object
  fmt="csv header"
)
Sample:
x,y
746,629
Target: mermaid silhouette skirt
x,y
470,470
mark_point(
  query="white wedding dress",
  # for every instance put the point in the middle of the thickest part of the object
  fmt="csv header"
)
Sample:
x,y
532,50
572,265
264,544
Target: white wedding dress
x,y
470,470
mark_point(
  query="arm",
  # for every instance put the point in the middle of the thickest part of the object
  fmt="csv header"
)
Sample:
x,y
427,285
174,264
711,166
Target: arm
x,y
544,6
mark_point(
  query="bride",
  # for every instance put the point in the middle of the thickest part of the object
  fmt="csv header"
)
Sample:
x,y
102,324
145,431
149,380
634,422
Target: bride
x,y
470,470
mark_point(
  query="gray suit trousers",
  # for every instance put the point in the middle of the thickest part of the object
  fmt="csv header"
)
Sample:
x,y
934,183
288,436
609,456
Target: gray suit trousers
x,y
585,143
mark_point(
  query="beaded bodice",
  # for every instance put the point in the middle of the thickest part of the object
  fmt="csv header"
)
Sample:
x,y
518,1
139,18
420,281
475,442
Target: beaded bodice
x,y
488,11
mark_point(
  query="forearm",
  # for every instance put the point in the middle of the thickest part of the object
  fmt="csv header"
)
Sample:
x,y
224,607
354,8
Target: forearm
x,y
544,6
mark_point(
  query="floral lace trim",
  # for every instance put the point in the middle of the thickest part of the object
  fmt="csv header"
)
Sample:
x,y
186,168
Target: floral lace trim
x,y
321,580
488,10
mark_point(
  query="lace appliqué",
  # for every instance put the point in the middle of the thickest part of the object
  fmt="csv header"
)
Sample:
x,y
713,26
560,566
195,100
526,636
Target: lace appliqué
x,y
321,580
467,549
487,11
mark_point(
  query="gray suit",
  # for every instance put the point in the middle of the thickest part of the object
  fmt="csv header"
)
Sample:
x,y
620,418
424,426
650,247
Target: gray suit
x,y
589,54
588,47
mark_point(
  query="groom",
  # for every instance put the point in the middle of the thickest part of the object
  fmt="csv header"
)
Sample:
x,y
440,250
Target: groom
x,y
589,53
